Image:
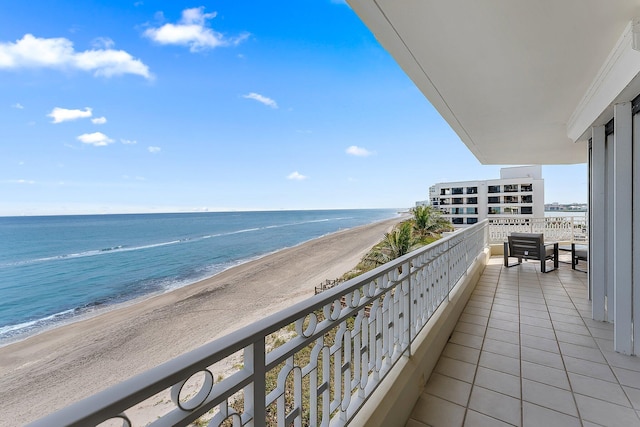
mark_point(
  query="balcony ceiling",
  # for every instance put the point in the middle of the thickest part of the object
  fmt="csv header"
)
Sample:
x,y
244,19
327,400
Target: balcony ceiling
x,y
507,75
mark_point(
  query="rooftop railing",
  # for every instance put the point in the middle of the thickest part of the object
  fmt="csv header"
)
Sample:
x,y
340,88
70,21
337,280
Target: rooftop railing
x,y
555,229
339,346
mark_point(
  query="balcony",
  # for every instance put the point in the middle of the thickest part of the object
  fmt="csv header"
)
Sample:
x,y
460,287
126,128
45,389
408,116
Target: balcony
x,y
526,352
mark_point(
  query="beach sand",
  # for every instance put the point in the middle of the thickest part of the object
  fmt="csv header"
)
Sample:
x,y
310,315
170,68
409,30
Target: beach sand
x,y
58,367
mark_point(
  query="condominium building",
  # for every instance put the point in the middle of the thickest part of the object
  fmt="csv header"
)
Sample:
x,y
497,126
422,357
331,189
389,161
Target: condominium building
x,y
518,192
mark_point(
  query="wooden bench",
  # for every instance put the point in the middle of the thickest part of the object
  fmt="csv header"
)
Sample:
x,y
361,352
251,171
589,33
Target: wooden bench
x,y
530,246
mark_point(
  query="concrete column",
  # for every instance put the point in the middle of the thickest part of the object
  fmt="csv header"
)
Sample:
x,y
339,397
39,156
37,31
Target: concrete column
x,y
635,218
622,228
609,277
597,223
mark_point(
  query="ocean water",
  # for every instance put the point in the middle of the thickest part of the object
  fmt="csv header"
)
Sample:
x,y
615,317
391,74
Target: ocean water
x,y
56,269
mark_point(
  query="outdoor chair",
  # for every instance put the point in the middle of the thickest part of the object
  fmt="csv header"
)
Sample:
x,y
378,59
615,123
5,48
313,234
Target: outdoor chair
x,y
530,246
579,253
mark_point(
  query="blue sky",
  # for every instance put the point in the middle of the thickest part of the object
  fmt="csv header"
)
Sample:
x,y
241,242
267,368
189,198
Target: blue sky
x,y
156,106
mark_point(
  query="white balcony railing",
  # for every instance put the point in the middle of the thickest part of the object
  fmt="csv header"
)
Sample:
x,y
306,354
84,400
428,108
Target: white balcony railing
x,y
555,229
341,345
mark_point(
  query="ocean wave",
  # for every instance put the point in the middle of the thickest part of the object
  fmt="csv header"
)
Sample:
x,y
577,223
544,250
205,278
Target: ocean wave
x,y
125,248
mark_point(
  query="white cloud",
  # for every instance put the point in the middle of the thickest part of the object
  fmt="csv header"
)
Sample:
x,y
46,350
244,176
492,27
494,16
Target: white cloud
x,y
192,30
19,181
99,120
358,151
59,53
153,149
60,115
128,141
18,106
296,176
262,99
102,42
97,139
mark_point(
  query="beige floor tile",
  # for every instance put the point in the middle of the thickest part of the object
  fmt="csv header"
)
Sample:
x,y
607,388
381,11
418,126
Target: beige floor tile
x,y
589,369
538,331
476,419
545,374
470,328
469,340
437,412
461,352
604,345
535,321
501,315
502,335
505,308
570,327
536,416
598,389
502,347
505,325
633,394
540,314
574,319
571,311
479,304
542,357
477,310
549,397
627,377
481,298
580,352
414,423
539,343
456,369
474,318
631,363
448,388
496,405
501,363
541,306
582,340
605,413
498,381
601,333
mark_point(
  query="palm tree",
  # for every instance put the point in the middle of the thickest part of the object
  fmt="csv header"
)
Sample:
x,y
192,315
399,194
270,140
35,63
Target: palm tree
x,y
428,222
398,242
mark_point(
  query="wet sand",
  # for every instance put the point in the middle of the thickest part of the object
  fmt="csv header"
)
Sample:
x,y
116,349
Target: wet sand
x,y
58,367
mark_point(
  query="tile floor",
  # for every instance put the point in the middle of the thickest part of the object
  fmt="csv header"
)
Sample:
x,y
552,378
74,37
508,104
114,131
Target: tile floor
x,y
525,352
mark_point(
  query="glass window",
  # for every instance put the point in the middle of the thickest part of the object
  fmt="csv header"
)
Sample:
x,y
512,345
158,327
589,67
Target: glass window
x,y
472,190
527,199
456,190
457,220
472,220
494,211
472,200
528,210
493,189
493,199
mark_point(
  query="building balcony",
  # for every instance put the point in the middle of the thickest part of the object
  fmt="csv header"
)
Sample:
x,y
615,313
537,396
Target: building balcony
x,y
526,352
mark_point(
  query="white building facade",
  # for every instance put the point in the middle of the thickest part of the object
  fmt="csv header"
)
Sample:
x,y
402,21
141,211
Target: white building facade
x,y
518,192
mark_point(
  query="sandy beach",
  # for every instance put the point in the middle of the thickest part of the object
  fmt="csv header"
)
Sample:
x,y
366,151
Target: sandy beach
x,y
56,368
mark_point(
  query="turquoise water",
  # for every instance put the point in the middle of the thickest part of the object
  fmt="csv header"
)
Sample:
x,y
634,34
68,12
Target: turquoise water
x,y
54,269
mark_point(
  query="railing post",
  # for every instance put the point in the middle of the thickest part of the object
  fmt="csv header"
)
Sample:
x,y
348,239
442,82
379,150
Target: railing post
x,y
257,354
410,317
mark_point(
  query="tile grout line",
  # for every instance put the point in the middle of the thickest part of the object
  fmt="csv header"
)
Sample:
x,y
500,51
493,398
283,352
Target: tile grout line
x,y
573,393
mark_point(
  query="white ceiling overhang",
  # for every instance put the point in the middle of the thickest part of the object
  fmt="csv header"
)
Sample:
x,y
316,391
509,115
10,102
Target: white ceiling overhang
x,y
520,82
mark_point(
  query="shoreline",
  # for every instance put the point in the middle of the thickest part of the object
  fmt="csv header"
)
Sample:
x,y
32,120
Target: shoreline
x,y
100,310
73,361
